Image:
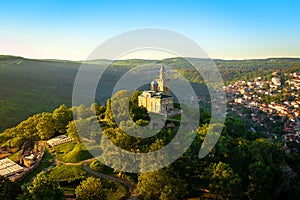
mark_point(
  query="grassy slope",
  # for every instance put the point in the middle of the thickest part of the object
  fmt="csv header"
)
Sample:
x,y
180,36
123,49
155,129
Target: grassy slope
x,y
68,172
72,152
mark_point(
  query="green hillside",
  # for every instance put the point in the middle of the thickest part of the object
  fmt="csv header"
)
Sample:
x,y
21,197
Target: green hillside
x,y
30,86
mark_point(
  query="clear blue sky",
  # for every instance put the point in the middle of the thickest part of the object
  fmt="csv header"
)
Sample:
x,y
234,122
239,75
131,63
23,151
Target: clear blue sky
x,y
225,29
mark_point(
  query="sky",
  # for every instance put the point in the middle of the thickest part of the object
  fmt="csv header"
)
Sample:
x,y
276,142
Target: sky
x,y
72,29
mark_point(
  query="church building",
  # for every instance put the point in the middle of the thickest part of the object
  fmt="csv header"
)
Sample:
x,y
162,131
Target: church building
x,y
158,99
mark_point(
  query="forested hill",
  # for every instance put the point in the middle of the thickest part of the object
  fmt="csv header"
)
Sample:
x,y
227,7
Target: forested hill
x,y
233,70
30,86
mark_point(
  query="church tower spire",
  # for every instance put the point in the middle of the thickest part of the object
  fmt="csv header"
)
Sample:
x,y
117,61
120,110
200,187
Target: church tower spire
x,y
162,72
163,81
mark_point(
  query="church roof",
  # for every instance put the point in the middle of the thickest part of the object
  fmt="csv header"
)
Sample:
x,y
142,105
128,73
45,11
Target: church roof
x,y
159,95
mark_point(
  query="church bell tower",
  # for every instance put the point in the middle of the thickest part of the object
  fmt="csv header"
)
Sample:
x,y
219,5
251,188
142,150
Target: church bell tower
x,y
163,82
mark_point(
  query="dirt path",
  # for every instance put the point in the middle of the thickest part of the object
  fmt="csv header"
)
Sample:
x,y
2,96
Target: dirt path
x,y
129,185
77,163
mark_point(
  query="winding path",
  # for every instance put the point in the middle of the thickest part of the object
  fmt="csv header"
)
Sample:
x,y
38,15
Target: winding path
x,y
86,167
130,186
77,163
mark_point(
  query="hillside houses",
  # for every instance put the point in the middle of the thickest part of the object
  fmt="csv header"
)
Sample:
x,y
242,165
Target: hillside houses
x,y
276,97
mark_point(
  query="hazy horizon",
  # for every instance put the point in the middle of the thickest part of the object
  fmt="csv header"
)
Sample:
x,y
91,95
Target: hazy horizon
x,y
228,59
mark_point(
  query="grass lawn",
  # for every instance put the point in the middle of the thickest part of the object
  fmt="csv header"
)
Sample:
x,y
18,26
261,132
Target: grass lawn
x,y
47,156
72,152
67,173
46,162
14,157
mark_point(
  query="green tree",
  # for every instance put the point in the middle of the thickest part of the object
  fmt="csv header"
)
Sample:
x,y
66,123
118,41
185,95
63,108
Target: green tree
x,y
120,105
83,112
235,127
258,164
90,189
46,126
17,142
85,128
134,98
147,161
9,190
139,113
111,154
28,128
72,131
260,179
42,188
100,110
62,117
109,118
224,183
161,184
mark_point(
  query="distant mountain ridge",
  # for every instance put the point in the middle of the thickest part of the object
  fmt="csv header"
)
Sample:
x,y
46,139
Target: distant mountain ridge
x,y
151,60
